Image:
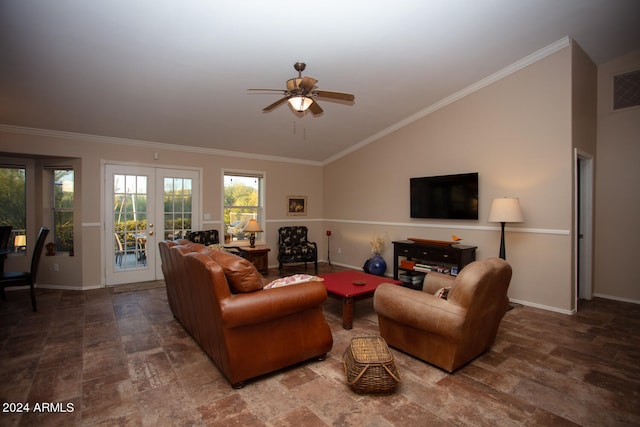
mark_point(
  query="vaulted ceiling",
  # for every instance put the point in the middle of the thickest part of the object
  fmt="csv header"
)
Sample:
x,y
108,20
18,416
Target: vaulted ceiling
x,y
177,71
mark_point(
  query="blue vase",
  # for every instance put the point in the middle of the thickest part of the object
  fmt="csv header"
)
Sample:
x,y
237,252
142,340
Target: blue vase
x,y
377,265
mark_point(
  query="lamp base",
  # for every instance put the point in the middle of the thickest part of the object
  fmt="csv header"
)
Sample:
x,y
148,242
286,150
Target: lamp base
x,y
502,251
252,240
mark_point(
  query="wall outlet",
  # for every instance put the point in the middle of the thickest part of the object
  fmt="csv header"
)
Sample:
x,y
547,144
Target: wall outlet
x,y
56,267
339,251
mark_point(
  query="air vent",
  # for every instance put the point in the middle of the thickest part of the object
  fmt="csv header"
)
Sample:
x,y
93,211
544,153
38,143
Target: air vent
x,y
626,90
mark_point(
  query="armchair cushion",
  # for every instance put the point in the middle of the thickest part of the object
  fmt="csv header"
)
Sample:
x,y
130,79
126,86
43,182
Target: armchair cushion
x,y
241,273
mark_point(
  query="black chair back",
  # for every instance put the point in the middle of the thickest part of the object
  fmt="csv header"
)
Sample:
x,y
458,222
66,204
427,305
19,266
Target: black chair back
x,y
37,252
5,234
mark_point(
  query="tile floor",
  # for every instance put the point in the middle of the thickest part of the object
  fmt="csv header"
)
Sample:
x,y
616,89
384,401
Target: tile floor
x,y
104,358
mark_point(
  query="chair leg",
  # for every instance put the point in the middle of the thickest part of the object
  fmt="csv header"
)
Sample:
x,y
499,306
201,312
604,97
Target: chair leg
x,y
33,298
316,266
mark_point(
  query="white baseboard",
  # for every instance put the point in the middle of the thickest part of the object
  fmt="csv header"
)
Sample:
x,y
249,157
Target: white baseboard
x,y
611,297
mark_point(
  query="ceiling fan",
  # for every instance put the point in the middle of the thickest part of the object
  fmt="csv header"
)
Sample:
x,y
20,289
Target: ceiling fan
x,y
301,93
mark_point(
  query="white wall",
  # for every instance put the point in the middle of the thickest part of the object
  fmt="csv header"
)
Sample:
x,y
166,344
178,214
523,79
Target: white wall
x,y
517,133
617,194
87,269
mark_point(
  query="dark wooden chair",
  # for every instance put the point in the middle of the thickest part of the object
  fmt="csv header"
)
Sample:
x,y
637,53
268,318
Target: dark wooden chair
x,y
5,234
26,278
294,247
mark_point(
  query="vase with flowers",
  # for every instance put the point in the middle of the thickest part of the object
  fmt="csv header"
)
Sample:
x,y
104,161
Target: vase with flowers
x,y
376,264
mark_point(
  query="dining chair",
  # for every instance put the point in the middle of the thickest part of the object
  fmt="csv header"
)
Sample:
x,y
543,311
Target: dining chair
x,y
5,234
26,278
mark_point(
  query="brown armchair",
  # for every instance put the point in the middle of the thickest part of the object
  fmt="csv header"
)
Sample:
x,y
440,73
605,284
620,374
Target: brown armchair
x,y
448,332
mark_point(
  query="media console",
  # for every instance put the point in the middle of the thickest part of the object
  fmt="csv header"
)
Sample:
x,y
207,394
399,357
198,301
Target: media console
x,y
446,258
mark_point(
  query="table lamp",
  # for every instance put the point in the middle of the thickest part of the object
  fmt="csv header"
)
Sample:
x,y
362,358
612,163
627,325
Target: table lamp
x,y
20,241
503,210
252,228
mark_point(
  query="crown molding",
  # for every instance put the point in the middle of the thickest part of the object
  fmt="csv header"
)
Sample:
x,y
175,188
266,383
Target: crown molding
x,y
148,144
505,72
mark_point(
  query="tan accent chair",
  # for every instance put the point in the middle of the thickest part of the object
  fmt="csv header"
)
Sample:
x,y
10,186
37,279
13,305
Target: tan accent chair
x,y
451,332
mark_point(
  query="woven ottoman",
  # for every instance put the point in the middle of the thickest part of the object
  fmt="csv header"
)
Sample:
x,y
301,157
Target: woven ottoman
x,y
370,367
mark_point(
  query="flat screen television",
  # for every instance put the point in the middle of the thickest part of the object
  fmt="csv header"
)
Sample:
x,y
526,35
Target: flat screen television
x,y
445,196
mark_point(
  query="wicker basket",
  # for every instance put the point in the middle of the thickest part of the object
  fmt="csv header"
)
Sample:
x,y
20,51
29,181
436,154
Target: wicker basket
x,y
370,367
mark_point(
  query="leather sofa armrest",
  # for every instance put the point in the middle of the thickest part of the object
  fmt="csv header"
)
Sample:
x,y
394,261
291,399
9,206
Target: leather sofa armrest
x,y
434,281
420,310
269,304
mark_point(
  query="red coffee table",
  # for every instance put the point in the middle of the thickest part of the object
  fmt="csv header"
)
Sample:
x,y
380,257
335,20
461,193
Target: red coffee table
x,y
341,285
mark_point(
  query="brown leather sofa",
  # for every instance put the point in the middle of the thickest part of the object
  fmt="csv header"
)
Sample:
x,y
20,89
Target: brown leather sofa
x,y
448,332
246,330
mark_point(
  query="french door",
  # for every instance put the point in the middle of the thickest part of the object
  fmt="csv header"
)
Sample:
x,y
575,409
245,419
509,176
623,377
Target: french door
x,y
143,205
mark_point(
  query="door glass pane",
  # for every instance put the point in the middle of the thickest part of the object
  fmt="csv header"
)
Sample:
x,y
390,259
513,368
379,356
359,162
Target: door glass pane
x,y
130,221
177,207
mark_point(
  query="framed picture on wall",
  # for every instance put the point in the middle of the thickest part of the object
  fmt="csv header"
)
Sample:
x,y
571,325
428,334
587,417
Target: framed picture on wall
x,y
296,205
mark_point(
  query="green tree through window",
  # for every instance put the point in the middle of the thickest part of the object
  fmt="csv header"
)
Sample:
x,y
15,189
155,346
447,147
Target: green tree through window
x,y
63,190
12,200
242,202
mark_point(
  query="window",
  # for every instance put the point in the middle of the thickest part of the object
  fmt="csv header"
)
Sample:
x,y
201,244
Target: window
x,y
243,196
13,205
178,207
62,209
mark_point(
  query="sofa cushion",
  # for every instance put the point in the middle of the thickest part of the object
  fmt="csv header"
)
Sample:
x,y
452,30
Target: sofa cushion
x,y
241,274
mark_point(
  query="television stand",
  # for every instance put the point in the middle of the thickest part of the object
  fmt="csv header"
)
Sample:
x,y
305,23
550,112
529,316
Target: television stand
x,y
452,258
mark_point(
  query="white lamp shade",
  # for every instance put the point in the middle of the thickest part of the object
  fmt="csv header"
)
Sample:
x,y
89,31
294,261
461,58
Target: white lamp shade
x,y
252,227
505,209
20,240
300,103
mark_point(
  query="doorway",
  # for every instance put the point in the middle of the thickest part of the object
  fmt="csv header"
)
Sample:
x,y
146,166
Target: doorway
x,y
144,204
583,228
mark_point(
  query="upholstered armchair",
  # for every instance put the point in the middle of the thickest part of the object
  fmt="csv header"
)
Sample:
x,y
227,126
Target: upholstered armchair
x,y
207,238
447,332
294,247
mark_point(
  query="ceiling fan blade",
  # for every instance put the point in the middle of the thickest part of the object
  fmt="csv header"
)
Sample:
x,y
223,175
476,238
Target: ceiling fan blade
x,y
275,104
335,95
269,90
307,84
315,108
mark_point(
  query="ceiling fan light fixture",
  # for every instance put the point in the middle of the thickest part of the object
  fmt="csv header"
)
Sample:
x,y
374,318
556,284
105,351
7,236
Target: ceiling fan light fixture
x,y
300,103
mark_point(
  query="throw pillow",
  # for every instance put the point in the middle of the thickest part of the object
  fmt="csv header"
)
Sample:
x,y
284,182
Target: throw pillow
x,y
293,280
442,293
241,274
